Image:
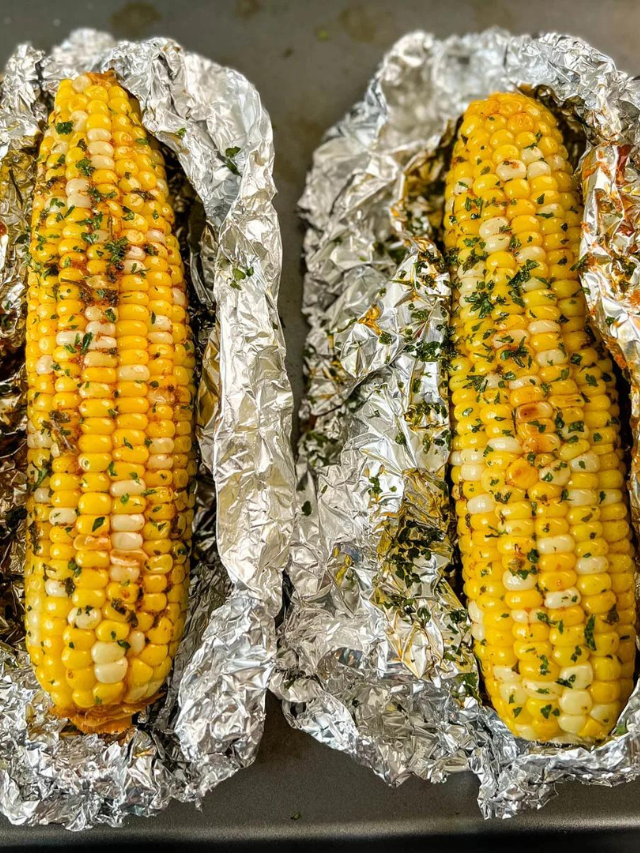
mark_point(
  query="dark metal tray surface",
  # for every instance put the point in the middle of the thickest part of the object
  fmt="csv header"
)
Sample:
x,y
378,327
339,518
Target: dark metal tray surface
x,y
311,60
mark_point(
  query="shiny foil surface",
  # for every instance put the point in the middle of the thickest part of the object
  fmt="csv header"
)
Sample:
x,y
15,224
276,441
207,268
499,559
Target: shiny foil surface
x,y
208,724
375,655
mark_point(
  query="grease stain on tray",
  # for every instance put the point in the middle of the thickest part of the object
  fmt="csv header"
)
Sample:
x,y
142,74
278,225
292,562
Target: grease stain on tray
x,y
133,19
359,23
248,8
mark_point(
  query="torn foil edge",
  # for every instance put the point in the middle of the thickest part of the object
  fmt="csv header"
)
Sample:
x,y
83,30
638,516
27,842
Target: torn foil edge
x,y
347,669
210,722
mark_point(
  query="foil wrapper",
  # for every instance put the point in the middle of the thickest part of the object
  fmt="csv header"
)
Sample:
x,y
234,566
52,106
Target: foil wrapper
x,y
209,722
375,655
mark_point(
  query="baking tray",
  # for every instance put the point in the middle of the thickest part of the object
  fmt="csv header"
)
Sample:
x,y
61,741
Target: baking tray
x,y
311,61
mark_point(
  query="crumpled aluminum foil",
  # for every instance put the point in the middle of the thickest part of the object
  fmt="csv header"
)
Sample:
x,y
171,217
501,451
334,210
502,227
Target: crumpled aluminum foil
x,y
375,653
210,720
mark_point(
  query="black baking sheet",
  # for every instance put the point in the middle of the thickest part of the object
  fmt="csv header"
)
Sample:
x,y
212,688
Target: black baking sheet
x,y
311,60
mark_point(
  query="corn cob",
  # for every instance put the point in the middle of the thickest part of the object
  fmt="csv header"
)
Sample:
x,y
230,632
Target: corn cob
x,y
109,362
536,462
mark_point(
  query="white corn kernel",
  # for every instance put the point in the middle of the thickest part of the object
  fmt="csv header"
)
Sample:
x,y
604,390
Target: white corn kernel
x,y
130,265
573,723
97,328
582,497
531,154
136,641
39,439
161,445
507,444
478,632
55,589
126,541
41,495
111,673
68,338
562,598
557,163
79,84
493,380
127,523
561,544
576,702
129,559
551,356
99,282
513,694
98,134
79,200
126,487
522,617
542,327
77,185
472,472
588,462
515,583
160,338
475,613
510,170
507,675
494,225
44,365
179,297
106,652
579,677
103,342
480,503
497,243
555,474
99,161
523,381
538,689
95,313
62,515
160,461
86,620
79,119
100,147
471,455
538,168
555,210
124,574
592,565
161,323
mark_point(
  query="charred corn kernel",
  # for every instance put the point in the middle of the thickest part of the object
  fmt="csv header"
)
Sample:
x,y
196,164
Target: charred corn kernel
x,y
536,439
110,360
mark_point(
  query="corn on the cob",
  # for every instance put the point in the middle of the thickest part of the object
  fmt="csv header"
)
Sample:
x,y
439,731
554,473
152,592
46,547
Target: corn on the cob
x,y
109,363
537,468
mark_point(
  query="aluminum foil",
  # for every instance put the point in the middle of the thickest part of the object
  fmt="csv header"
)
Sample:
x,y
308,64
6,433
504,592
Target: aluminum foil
x,y
209,722
375,653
